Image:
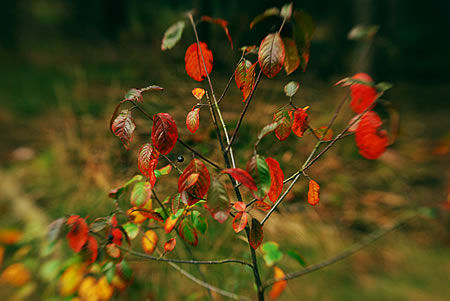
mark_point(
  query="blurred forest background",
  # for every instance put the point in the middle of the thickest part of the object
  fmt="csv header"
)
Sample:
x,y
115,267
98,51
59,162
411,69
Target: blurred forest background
x,y
66,63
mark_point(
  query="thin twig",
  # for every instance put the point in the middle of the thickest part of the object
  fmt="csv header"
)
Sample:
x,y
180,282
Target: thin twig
x,y
348,252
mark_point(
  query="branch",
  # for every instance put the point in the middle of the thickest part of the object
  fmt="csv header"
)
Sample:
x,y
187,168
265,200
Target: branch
x,y
350,251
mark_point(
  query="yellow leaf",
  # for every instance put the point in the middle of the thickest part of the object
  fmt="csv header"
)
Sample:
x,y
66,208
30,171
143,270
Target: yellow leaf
x,y
10,236
149,241
87,289
279,286
103,289
16,275
71,279
198,93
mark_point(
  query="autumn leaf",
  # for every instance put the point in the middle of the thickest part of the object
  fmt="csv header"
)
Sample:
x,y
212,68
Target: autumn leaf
x,y
300,122
198,93
172,35
261,205
271,54
292,60
256,234
78,233
259,170
188,233
313,193
363,95
240,221
242,177
284,129
142,191
194,63
192,120
370,141
16,275
240,206
71,279
222,23
303,32
147,161
90,250
279,286
170,245
267,13
276,179
217,201
164,133
241,73
123,127
291,88
249,82
201,185
321,130
149,241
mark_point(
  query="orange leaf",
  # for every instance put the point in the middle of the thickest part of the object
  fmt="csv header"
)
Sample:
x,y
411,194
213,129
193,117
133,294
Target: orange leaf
x,y
10,236
16,275
198,93
277,177
90,250
300,122
261,205
170,245
240,206
313,193
240,221
192,120
321,130
149,241
284,129
71,279
249,81
222,23
194,63
278,286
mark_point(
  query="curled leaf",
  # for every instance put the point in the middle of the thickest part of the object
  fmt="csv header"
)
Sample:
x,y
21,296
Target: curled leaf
x,y
267,13
222,23
170,245
194,62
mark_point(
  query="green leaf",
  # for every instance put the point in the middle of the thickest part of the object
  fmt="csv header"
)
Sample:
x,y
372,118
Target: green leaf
x,y
125,269
50,269
131,229
259,170
297,257
291,88
110,272
256,234
188,233
271,252
200,223
117,192
172,35
267,130
286,11
267,13
141,193
383,86
163,171
217,201
360,32
271,54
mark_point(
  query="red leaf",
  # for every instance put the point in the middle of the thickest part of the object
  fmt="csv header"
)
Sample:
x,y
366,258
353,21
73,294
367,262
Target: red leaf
x,y
240,221
192,120
116,236
222,23
261,205
240,206
147,161
194,62
78,234
249,81
313,193
256,234
123,127
370,141
259,170
241,176
277,177
284,129
200,187
271,54
300,122
90,249
363,95
164,133
170,245
189,182
292,60
278,286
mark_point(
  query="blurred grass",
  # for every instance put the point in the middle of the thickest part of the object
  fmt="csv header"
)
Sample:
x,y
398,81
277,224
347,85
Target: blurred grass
x,y
57,104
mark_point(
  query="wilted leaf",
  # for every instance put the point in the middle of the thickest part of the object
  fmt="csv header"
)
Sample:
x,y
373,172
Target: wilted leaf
x,y
164,133
271,253
292,60
222,23
271,54
267,13
192,120
300,122
321,130
134,95
147,161
240,221
170,245
217,201
172,35
198,93
194,63
200,223
200,187
313,193
149,241
151,214
276,178
78,233
123,127
291,88
279,286
284,129
259,170
242,177
256,234
188,233
142,191
370,141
